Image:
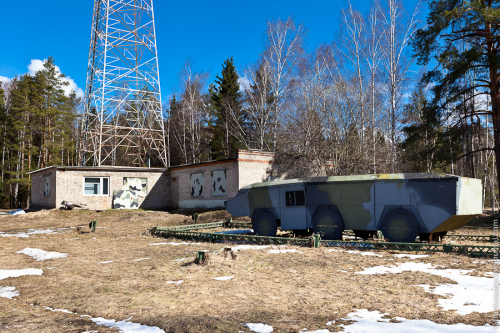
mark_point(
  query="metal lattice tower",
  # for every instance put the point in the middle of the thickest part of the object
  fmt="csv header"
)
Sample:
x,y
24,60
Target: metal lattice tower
x,y
122,105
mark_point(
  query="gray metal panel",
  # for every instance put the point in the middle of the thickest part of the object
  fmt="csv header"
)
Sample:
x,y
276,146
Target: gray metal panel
x,y
239,205
434,201
292,218
355,201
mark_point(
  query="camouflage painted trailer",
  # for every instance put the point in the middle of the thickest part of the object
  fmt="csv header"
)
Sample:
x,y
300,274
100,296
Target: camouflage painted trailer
x,y
402,206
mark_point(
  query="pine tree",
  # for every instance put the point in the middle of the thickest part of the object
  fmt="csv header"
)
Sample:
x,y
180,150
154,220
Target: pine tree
x,y
463,37
53,113
3,117
227,100
422,125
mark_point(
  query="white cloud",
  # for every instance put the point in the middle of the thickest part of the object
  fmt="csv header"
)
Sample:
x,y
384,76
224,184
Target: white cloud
x,y
37,64
4,81
244,83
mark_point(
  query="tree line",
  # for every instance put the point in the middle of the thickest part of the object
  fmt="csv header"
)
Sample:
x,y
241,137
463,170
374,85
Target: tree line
x,y
37,130
385,95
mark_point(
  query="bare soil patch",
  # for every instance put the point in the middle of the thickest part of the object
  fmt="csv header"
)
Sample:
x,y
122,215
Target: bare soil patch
x,y
103,277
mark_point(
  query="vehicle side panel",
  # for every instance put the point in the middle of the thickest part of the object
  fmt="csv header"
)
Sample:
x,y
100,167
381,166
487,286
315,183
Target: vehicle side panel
x,y
434,201
355,201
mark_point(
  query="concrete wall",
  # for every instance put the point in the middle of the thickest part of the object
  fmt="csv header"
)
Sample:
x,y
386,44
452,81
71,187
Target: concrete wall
x,y
182,175
253,167
38,200
68,184
70,188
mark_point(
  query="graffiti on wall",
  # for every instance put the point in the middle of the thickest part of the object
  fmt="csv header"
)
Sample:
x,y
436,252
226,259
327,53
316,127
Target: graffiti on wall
x,y
46,187
219,182
125,199
139,185
128,196
197,184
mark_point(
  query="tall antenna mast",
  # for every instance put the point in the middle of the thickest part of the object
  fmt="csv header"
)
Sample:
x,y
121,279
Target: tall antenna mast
x,y
122,120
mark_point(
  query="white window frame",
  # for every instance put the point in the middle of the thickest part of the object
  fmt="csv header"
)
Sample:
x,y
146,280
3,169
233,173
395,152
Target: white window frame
x,y
100,186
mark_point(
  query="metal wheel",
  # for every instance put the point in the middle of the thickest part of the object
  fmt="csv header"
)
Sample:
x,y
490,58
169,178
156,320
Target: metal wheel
x,y
264,224
328,223
400,226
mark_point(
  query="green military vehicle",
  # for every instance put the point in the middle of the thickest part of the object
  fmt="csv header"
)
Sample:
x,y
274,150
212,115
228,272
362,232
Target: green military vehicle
x,y
402,206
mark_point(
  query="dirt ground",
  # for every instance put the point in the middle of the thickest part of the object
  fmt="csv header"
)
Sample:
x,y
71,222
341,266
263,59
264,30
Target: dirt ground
x,y
289,291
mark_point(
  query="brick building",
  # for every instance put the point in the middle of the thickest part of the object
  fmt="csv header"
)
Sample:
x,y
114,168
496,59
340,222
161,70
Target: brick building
x,y
200,185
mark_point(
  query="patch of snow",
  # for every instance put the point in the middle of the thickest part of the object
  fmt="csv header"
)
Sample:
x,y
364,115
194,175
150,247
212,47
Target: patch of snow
x,y
41,255
259,328
8,273
469,294
411,256
235,232
335,250
57,310
141,259
285,251
345,237
8,292
365,253
182,259
249,247
107,262
223,278
177,282
28,233
372,321
49,267
173,243
17,212
319,331
330,323
339,270
126,326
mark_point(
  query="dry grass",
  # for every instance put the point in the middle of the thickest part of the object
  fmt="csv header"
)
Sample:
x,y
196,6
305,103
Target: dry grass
x,y
288,291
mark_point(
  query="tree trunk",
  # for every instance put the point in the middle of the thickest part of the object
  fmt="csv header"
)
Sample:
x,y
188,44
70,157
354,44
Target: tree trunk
x,y
496,135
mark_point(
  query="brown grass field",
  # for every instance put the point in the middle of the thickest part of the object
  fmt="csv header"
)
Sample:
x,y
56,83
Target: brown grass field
x,y
289,291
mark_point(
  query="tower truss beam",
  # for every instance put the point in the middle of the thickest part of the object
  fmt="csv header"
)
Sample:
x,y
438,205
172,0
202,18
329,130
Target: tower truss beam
x,y
122,104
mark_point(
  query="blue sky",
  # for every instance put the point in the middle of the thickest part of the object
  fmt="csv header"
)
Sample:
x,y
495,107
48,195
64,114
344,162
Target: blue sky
x,y
205,31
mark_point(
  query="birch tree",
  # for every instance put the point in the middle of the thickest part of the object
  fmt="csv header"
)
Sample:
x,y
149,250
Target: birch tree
x,y
399,29
373,55
192,107
259,104
352,46
283,49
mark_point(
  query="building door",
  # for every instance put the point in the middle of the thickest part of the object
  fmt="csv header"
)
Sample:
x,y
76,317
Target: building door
x,y
174,197
293,208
